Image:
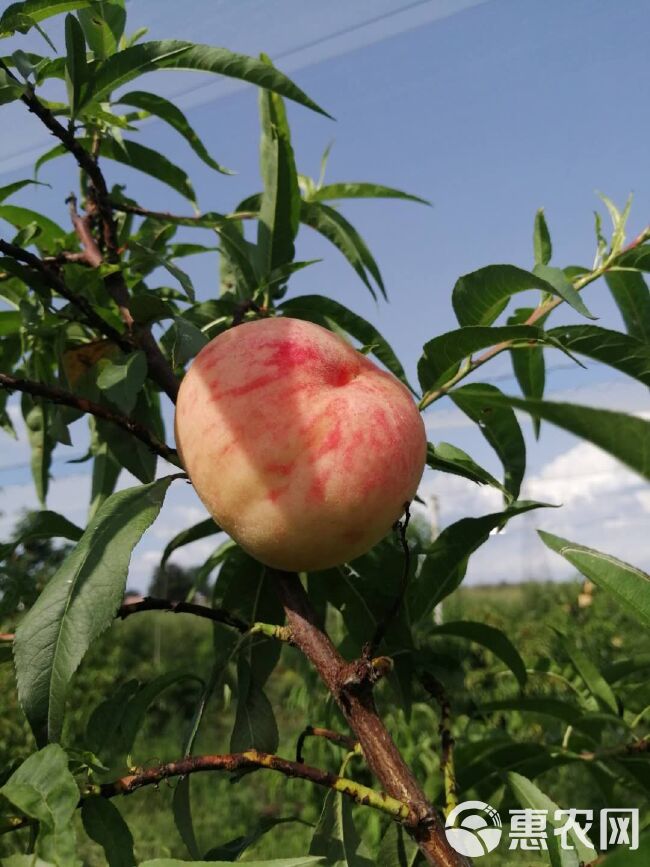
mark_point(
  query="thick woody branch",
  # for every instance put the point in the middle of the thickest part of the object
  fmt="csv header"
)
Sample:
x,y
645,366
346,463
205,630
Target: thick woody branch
x,y
358,708
150,603
58,395
249,760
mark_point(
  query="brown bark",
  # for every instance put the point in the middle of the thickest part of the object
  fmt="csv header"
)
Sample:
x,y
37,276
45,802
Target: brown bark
x,y
358,707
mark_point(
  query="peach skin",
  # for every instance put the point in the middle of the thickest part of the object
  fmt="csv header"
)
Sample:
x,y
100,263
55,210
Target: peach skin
x,y
300,447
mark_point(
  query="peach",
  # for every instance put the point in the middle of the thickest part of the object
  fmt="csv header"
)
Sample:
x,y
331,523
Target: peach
x,y
300,447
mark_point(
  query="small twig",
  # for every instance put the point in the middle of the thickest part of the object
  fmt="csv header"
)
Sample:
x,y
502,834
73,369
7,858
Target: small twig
x,y
249,760
7,636
66,398
384,625
333,737
150,603
92,252
438,692
182,219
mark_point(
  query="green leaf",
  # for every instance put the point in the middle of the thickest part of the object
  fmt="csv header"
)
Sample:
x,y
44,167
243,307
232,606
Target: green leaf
x,y
558,280
76,67
11,322
10,189
182,811
632,296
127,452
336,838
50,232
594,681
44,789
629,585
542,247
122,379
320,309
626,437
279,213
78,604
492,638
183,341
10,90
627,354
478,298
234,849
37,417
43,525
172,54
445,562
360,190
168,265
442,355
397,849
104,824
339,232
114,724
499,426
622,856
186,537
136,156
103,26
106,468
448,458
531,798
15,15
255,726
152,104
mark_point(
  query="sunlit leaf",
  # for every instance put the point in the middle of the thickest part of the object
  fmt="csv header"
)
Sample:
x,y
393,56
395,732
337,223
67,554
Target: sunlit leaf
x,y
626,437
625,353
629,585
499,425
44,789
542,247
632,296
492,638
444,566
345,238
478,298
172,54
352,190
153,104
78,604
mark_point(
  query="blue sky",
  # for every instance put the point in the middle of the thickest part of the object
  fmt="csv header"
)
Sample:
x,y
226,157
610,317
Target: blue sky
x,y
490,110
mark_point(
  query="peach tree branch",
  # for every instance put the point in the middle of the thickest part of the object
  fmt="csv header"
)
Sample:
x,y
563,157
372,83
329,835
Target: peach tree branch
x,y
354,698
248,760
57,395
537,314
